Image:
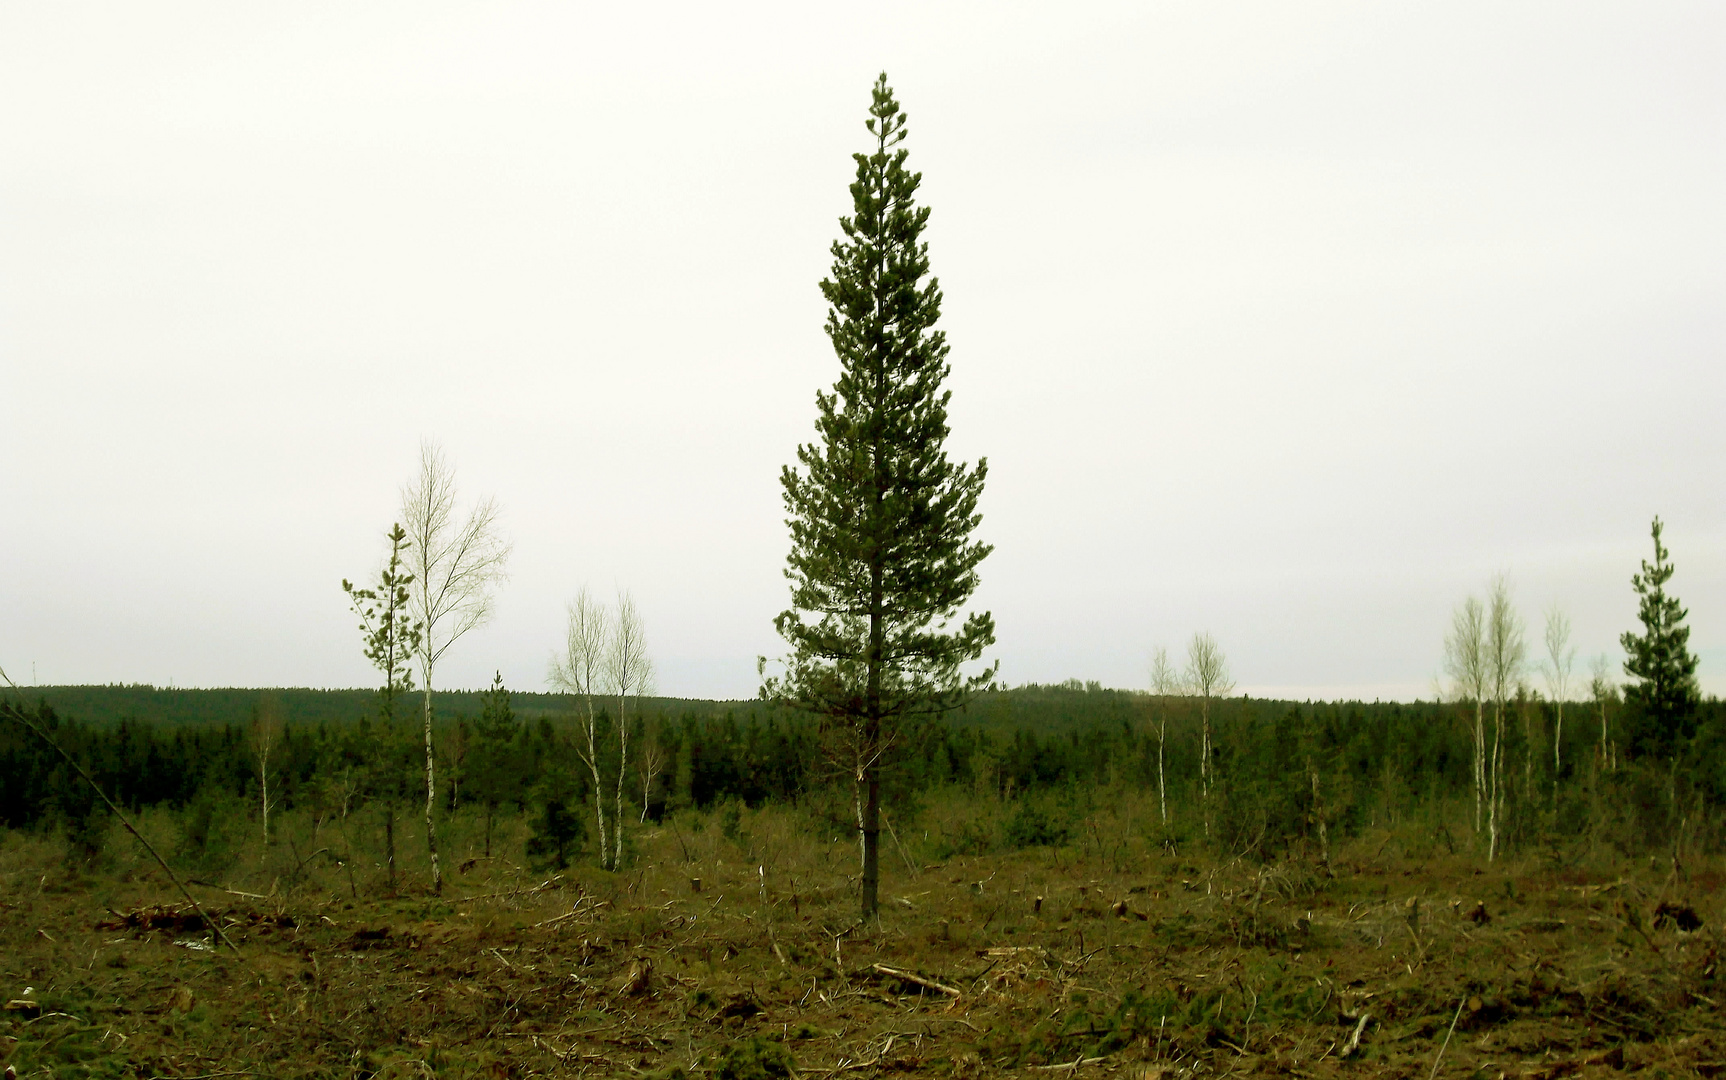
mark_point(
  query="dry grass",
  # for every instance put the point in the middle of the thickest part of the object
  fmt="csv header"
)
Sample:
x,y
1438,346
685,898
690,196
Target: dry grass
x,y
1133,962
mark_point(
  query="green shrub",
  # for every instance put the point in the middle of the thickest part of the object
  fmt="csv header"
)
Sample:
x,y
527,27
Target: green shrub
x,y
213,828
753,1059
1032,825
559,824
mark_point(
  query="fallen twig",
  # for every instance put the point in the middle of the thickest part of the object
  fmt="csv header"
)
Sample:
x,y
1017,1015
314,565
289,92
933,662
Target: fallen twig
x,y
1447,1036
230,892
541,887
918,980
1353,1043
1069,1066
572,913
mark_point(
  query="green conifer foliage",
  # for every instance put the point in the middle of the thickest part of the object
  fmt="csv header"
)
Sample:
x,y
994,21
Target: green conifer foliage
x,y
495,770
391,634
881,551
1660,661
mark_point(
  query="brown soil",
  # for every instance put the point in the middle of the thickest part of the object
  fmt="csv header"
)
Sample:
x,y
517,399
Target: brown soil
x,y
1171,968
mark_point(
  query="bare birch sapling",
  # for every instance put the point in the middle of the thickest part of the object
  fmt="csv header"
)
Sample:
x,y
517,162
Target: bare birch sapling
x,y
1207,677
1465,662
1560,662
457,565
1603,690
266,730
1506,652
630,674
651,764
580,671
1165,684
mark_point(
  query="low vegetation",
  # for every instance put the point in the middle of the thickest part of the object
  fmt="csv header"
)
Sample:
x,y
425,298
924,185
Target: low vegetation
x,y
1081,942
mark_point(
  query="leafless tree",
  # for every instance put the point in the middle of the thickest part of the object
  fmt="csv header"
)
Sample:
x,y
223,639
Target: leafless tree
x,y
455,748
581,671
1506,652
1207,677
629,673
1165,684
1603,689
457,565
1560,662
1465,662
604,654
266,730
651,764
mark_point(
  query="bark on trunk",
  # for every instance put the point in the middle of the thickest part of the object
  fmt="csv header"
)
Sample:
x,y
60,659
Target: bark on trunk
x,y
622,769
431,795
1496,768
1162,785
871,843
390,842
264,780
598,783
1205,759
1479,760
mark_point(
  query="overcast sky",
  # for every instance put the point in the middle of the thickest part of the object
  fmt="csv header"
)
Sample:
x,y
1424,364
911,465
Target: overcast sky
x,y
1290,322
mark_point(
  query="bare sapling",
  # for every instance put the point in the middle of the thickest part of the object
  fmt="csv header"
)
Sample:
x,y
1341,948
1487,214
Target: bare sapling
x,y
455,754
457,566
1465,662
1165,685
1207,677
630,674
1506,651
651,763
265,731
579,671
1603,689
1560,662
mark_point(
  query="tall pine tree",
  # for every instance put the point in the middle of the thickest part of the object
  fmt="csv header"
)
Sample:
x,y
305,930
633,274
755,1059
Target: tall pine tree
x,y
881,550
1665,690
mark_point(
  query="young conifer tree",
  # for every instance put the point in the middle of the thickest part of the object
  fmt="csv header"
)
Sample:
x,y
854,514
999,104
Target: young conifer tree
x,y
881,551
392,637
1660,659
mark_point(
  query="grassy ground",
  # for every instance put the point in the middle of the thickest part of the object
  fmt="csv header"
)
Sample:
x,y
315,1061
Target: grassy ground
x,y
731,948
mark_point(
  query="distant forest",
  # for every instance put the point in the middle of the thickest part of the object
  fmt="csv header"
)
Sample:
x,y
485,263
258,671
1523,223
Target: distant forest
x,y
1281,773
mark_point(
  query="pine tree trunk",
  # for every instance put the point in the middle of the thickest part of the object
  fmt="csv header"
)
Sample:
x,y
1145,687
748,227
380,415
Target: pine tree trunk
x,y
390,842
871,884
857,806
871,843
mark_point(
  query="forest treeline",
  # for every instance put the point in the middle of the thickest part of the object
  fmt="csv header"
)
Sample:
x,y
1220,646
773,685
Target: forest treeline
x,y
1284,774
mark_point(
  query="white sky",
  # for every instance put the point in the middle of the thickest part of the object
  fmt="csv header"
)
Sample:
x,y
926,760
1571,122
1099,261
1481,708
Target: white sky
x,y
1290,322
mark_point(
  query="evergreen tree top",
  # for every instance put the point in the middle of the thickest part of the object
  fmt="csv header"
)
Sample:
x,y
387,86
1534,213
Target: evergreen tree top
x,y
1659,658
881,520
